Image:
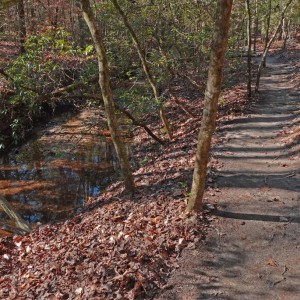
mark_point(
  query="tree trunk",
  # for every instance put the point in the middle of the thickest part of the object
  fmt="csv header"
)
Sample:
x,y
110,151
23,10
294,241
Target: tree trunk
x,y
267,31
32,19
145,68
256,27
285,32
212,93
171,71
80,27
264,56
22,27
13,214
104,81
249,48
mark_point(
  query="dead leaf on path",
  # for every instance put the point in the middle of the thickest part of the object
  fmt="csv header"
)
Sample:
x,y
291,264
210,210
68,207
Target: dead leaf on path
x,y
265,188
78,291
271,262
229,153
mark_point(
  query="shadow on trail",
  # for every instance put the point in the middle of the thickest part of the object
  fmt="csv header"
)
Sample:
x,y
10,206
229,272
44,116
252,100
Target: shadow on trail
x,y
256,217
247,123
223,273
258,205
283,180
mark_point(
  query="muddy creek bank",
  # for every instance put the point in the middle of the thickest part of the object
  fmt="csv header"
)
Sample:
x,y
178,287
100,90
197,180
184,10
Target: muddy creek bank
x,y
52,176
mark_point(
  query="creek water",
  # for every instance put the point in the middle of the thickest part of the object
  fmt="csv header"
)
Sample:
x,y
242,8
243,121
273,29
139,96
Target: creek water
x,y
52,176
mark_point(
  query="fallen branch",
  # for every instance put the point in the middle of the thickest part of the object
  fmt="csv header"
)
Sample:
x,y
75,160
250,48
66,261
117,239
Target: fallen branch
x,y
200,87
135,122
14,215
56,93
73,86
69,88
182,106
140,124
10,78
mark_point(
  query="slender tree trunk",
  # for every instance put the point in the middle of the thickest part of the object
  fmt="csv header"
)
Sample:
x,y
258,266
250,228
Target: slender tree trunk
x,y
55,18
22,25
80,23
264,56
146,68
289,29
32,19
240,37
280,33
212,93
256,27
285,32
249,48
104,81
267,31
171,71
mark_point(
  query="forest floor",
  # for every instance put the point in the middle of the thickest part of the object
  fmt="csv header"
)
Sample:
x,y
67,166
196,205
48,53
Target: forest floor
x,y
252,249
123,246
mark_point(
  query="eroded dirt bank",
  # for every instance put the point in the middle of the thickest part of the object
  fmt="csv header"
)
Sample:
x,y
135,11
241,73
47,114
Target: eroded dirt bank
x,y
252,250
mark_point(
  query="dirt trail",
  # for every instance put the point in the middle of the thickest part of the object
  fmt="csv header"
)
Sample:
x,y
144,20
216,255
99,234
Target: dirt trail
x,y
253,248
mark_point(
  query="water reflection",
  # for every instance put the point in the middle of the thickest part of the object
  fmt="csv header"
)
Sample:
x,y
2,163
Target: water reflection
x,y
55,174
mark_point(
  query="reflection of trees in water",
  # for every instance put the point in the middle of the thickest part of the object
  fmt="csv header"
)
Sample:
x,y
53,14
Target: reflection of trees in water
x,y
42,190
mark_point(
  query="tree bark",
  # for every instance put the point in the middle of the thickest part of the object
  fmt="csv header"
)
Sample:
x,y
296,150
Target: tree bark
x,y
249,48
212,93
32,19
267,30
264,56
146,68
104,81
22,26
256,27
284,32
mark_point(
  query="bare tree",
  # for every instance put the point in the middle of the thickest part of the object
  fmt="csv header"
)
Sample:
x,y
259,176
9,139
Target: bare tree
x,y
104,81
255,26
22,27
267,29
146,68
248,9
263,59
212,93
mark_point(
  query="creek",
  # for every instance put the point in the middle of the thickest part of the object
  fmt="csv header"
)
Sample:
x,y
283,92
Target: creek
x,y
52,176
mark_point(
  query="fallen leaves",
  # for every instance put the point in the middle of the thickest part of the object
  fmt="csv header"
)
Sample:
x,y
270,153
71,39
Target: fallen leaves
x,y
122,249
271,262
